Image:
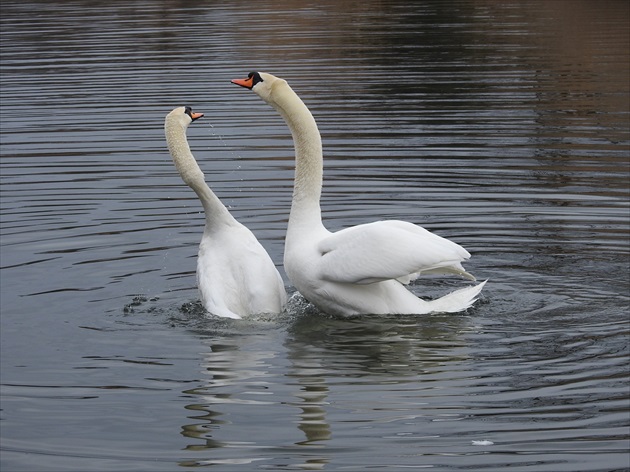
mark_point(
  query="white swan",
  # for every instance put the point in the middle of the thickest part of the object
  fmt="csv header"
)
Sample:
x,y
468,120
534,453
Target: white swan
x,y
361,269
235,275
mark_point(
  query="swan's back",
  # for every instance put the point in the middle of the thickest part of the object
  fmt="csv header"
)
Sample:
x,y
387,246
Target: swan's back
x,y
236,276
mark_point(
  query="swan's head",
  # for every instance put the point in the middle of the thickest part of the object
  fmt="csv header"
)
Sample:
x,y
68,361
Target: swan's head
x,y
261,83
183,116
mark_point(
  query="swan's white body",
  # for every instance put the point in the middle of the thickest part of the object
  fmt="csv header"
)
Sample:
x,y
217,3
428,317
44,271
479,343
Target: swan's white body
x,y
361,269
235,275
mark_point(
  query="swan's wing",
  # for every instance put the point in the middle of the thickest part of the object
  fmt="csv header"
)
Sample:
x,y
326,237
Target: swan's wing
x,y
386,250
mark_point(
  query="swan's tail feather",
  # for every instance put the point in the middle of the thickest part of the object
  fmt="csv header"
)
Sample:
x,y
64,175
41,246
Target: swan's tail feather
x,y
456,301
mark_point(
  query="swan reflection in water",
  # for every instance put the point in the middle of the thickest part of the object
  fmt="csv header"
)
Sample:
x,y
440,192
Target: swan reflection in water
x,y
240,394
247,365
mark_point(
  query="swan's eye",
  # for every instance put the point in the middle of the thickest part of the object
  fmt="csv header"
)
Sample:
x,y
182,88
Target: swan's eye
x,y
256,78
188,111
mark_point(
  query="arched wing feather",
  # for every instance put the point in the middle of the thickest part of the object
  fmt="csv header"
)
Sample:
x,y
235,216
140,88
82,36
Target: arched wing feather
x,y
386,250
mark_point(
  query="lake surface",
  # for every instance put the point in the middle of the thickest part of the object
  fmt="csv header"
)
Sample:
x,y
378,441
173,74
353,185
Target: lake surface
x,y
503,126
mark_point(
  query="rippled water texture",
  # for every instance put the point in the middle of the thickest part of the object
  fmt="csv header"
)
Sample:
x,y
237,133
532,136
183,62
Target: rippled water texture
x,y
500,125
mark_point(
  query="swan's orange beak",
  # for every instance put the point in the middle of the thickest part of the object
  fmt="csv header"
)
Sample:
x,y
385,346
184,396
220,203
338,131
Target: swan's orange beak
x,y
248,83
196,116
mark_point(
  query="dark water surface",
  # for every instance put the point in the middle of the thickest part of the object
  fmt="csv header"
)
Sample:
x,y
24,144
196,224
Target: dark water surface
x,y
501,125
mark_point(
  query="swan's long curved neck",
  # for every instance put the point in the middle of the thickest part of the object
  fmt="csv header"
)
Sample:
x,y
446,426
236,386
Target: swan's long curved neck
x,y
308,155
191,173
